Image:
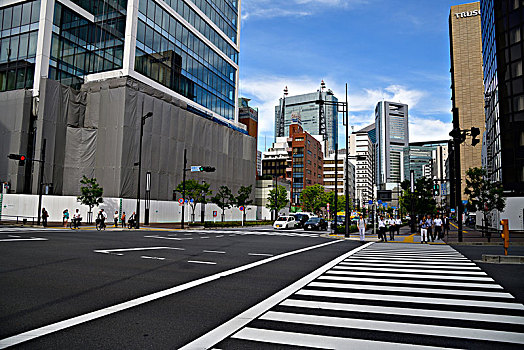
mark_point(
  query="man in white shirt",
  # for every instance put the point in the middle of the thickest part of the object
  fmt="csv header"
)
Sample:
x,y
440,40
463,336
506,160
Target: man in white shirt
x,y
382,229
398,223
392,228
361,224
438,227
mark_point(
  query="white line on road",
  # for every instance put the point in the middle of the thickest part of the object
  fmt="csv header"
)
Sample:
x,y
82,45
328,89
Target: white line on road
x,y
58,326
13,236
220,333
220,236
202,262
110,251
214,251
161,237
152,257
22,239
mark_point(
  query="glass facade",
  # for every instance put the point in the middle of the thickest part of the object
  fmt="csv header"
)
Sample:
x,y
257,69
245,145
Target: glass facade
x,y
18,40
80,47
223,13
503,49
169,53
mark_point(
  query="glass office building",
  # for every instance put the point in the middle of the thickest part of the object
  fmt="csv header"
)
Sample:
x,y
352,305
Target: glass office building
x,y
189,47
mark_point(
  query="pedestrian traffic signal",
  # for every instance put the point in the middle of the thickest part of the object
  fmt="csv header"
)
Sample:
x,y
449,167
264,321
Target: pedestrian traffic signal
x,y
474,133
20,157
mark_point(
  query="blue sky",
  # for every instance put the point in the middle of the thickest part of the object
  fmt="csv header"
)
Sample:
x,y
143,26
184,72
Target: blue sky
x,y
396,50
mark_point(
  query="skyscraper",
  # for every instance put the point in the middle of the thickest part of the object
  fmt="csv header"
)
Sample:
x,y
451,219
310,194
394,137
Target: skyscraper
x,y
502,43
92,69
466,79
392,135
314,118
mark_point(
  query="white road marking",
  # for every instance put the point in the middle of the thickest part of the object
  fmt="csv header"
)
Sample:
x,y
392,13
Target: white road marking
x,y
411,282
187,234
220,236
406,262
23,239
214,251
58,326
419,275
218,334
111,251
379,287
456,315
320,341
412,299
202,262
399,327
152,257
403,269
13,236
450,268
162,237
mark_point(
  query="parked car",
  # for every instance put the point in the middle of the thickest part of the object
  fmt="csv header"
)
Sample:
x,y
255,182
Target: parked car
x,y
340,221
316,223
284,222
301,219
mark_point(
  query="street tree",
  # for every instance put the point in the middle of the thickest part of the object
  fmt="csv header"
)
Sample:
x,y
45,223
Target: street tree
x,y
242,198
91,194
195,193
223,199
483,195
329,198
277,199
421,202
313,198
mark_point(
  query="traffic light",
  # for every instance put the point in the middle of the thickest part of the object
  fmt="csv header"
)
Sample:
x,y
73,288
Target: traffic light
x,y
457,134
474,133
207,169
435,190
20,157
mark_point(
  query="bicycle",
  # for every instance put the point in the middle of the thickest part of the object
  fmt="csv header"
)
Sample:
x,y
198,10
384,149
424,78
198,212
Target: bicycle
x,y
100,225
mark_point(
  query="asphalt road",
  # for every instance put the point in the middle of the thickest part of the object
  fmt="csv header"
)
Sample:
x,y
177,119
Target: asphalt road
x,y
49,276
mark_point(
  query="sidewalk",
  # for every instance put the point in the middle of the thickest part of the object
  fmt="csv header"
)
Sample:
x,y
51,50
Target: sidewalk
x,y
405,236
472,236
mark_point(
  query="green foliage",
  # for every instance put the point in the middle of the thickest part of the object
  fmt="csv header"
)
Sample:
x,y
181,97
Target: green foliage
x,y
91,192
223,199
277,198
242,198
195,191
483,194
329,197
313,198
342,228
423,201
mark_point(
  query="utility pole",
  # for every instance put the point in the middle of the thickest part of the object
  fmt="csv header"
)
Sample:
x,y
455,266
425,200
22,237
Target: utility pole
x,y
41,180
458,183
184,188
346,234
142,122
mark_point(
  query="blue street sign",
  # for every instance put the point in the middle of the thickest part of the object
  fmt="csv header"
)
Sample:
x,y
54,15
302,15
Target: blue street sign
x,y
370,202
191,200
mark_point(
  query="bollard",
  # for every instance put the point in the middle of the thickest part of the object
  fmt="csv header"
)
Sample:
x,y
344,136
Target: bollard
x,y
505,234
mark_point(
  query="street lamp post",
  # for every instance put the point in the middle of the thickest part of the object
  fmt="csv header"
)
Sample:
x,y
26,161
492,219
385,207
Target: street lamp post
x,y
142,122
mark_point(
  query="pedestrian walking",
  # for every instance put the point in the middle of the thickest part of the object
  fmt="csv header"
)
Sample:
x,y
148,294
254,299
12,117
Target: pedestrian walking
x,y
361,224
45,215
132,220
424,230
446,226
76,219
431,233
65,217
438,227
123,219
392,228
382,229
115,218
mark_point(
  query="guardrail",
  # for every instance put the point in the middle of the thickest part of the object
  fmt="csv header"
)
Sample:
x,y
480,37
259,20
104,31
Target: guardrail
x,y
19,219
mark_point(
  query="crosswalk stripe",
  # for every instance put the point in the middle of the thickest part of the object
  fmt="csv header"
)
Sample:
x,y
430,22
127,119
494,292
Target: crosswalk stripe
x,y
455,332
320,341
414,276
412,299
400,311
443,267
414,261
399,269
411,282
409,289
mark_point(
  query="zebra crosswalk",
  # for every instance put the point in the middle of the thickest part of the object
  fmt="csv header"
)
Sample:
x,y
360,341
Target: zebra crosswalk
x,y
390,296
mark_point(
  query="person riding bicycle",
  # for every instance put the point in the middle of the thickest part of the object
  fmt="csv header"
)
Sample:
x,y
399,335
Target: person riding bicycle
x,y
76,219
102,216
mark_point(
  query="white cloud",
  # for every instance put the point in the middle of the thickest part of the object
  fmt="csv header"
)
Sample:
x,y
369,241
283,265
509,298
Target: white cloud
x,y
291,8
428,129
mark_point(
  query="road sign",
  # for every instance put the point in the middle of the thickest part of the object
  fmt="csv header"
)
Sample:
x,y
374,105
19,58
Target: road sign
x,y
370,202
191,200
181,200
327,207
196,168
241,208
215,213
452,210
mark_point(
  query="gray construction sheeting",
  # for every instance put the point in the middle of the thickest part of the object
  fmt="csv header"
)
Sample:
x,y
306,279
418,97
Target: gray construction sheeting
x,y
95,131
